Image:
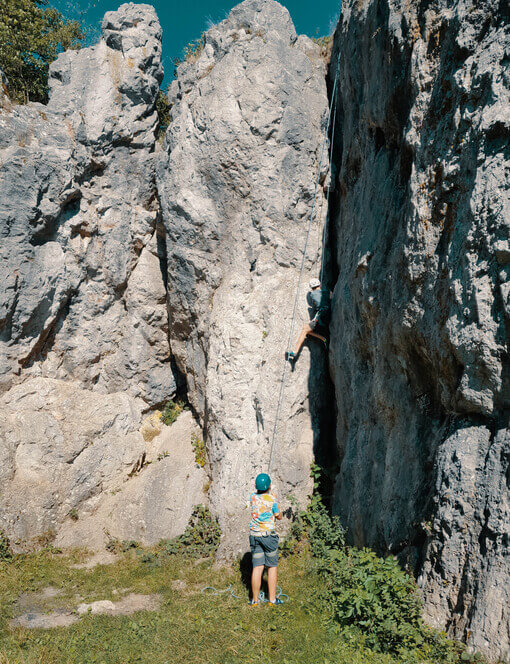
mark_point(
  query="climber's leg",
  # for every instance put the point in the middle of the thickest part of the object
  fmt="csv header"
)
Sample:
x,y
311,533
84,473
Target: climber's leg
x,y
307,328
319,336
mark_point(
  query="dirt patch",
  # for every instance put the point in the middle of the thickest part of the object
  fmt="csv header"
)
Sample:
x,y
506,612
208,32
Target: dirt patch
x,y
124,607
39,620
33,601
36,614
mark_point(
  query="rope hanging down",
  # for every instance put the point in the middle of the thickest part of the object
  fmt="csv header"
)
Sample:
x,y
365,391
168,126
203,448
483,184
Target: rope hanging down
x,y
296,299
229,591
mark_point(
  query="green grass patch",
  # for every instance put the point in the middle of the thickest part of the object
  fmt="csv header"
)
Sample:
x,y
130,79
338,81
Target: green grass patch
x,y
190,627
347,606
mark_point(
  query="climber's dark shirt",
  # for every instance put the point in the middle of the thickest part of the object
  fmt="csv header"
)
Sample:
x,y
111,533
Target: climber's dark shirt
x,y
320,303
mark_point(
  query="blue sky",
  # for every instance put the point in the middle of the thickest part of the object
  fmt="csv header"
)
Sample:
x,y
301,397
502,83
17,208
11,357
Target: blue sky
x,y
185,21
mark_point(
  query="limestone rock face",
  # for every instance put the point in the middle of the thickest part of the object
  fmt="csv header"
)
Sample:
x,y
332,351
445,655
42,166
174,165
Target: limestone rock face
x,y
83,321
74,466
82,296
61,447
154,502
236,181
420,268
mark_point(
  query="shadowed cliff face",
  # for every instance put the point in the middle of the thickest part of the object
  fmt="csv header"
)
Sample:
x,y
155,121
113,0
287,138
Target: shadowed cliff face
x,y
421,305
236,183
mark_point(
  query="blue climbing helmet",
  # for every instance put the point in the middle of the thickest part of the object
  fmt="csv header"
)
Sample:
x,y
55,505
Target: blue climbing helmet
x,y
262,482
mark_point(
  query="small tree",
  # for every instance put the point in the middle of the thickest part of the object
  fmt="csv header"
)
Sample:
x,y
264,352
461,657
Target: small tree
x,y
31,35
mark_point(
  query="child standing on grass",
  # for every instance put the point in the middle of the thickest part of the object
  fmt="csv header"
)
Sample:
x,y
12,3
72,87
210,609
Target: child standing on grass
x,y
263,538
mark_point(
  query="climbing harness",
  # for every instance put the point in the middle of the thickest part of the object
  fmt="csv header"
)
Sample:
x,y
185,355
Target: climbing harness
x,y
332,107
229,592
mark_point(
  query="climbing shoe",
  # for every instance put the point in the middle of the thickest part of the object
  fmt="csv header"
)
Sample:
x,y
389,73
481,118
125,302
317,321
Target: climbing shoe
x,y
277,602
290,356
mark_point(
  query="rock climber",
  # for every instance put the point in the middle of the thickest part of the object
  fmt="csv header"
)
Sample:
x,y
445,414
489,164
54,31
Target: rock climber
x,y
319,301
263,538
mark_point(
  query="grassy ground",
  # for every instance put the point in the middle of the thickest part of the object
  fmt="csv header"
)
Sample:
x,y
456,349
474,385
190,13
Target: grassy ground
x,y
189,627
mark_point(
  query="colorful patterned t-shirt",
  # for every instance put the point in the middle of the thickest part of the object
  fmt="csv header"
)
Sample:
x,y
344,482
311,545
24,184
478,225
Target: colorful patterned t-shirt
x,y
263,507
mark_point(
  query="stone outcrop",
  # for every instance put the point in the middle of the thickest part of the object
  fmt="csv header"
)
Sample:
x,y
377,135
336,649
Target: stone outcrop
x,y
155,501
83,321
420,267
236,181
82,295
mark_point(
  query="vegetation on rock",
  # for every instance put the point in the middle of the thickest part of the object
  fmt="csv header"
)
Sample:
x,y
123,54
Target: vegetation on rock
x,y
171,411
326,46
31,35
198,446
5,547
194,49
163,109
200,539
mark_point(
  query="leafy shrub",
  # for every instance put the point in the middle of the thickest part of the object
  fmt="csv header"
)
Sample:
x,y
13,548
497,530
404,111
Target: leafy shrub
x,y
370,597
148,558
171,411
199,449
163,110
5,547
116,546
31,36
200,539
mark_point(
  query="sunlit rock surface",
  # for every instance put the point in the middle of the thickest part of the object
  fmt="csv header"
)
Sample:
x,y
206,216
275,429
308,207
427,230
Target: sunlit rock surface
x,y
236,183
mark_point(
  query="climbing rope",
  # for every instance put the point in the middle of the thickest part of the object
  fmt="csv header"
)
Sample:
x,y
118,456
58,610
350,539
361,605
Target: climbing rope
x,y
296,299
229,592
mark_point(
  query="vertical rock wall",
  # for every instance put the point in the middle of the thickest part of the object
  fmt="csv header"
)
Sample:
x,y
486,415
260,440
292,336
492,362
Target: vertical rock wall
x,y
420,245
236,184
83,320
81,294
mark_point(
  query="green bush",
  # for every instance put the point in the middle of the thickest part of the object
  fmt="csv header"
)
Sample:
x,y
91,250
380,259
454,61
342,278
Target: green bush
x,y
374,596
199,449
163,109
31,36
200,539
5,547
370,598
171,411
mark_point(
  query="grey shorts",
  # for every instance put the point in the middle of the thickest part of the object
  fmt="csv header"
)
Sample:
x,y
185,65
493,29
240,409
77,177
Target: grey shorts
x,y
264,550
